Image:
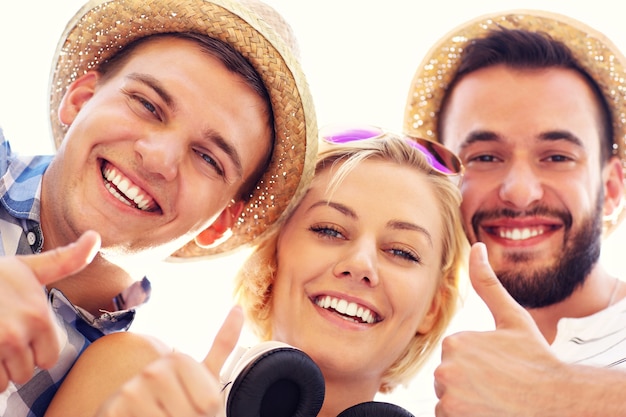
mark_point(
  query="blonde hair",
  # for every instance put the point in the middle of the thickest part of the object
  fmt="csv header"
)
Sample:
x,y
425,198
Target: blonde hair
x,y
253,285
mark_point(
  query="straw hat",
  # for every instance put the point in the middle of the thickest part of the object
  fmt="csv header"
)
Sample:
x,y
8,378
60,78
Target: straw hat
x,y
593,50
258,32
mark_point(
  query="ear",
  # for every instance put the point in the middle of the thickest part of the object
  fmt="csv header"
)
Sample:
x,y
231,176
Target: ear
x,y
432,315
77,94
221,229
613,178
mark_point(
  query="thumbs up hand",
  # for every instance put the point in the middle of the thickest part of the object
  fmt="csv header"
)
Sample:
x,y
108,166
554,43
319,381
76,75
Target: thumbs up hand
x,y
498,372
28,330
506,312
176,384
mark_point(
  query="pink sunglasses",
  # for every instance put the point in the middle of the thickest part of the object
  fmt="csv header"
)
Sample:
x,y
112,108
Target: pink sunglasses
x,y
440,158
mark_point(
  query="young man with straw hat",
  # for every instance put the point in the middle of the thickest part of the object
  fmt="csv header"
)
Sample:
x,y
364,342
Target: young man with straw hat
x,y
178,123
534,105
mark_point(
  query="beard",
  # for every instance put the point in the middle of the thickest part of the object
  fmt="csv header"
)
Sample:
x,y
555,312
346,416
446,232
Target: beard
x,y
536,288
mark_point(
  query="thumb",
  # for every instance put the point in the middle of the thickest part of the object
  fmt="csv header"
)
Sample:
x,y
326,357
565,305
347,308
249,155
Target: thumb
x,y
504,309
58,263
225,341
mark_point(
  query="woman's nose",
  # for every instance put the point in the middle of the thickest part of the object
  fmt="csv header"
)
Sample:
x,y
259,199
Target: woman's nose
x,y
359,263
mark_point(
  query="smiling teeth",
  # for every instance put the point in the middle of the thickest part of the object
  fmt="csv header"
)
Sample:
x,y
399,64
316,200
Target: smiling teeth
x,y
520,234
346,308
124,191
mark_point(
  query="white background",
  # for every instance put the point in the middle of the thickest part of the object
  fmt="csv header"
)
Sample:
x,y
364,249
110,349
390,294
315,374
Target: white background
x,y
359,57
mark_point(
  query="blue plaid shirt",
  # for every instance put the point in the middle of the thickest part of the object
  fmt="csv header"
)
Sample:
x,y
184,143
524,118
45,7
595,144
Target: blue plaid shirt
x,y
20,234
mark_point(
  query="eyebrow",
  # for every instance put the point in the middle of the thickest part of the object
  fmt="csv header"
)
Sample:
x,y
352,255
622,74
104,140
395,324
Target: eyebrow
x,y
230,151
553,135
155,85
548,136
401,225
210,134
345,210
393,224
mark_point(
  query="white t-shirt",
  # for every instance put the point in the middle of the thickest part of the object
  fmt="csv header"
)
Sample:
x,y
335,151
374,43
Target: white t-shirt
x,y
598,340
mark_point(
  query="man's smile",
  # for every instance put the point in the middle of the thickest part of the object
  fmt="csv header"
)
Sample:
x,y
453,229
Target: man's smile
x,y
126,191
518,233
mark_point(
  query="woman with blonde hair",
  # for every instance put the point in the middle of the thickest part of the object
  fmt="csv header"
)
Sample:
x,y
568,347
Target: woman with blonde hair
x,y
363,276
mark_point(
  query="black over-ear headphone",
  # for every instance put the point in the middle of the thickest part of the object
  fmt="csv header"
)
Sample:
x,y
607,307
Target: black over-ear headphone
x,y
272,379
375,409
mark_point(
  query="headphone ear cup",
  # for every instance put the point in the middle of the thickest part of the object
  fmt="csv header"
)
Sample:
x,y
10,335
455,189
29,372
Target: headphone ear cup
x,y
375,409
282,382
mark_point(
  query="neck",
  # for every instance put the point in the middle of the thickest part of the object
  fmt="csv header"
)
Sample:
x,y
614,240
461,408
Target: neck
x,y
597,293
94,287
342,393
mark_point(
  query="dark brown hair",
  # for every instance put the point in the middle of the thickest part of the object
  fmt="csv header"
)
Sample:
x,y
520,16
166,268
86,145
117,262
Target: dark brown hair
x,y
232,60
523,49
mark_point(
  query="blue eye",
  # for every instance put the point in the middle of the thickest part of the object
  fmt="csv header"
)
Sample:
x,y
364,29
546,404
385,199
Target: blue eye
x,y
326,231
211,161
140,104
149,106
408,255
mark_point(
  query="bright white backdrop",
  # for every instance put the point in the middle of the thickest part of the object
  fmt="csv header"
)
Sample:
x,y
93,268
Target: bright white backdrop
x,y
359,57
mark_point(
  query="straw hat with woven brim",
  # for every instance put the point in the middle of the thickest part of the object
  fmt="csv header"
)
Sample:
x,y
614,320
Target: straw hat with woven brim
x,y
593,50
258,32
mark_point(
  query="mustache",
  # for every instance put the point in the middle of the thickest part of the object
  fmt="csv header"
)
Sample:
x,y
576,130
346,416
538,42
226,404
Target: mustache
x,y
508,213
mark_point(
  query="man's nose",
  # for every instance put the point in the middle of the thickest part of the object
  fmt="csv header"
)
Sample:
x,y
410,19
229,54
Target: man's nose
x,y
161,154
521,185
